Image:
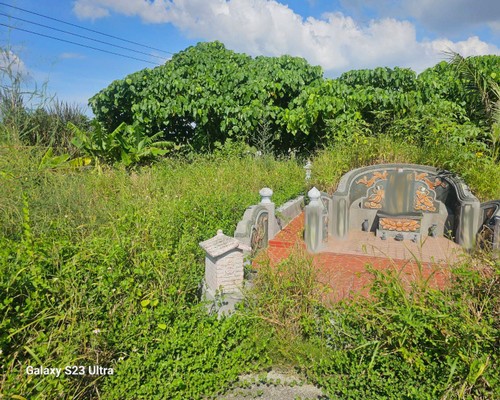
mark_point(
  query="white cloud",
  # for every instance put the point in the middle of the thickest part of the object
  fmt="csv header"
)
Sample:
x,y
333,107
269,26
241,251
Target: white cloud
x,y
11,65
473,46
442,17
335,41
155,11
71,56
89,10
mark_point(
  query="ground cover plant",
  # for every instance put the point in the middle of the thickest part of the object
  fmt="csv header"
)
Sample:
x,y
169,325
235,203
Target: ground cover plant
x,y
420,343
100,224
99,266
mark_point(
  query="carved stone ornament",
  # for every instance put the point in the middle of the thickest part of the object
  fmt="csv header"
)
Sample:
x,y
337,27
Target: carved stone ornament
x,y
258,239
423,200
375,199
422,177
377,176
399,224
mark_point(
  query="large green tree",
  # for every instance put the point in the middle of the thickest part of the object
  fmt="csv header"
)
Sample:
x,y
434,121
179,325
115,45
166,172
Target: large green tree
x,y
449,98
208,93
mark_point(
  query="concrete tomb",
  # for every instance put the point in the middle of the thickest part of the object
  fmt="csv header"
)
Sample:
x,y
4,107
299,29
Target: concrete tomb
x,y
223,264
403,202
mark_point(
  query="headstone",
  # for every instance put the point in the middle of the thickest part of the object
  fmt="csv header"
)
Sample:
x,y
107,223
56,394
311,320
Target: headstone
x,y
223,264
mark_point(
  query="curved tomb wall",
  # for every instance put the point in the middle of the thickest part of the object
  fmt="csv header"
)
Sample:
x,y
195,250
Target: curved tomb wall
x,y
439,200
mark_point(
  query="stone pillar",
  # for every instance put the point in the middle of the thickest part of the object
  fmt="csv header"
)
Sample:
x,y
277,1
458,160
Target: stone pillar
x,y
314,221
468,224
308,168
339,217
223,264
272,224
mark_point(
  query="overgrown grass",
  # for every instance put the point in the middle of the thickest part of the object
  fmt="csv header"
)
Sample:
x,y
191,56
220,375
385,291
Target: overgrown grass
x,y
28,116
101,266
402,342
285,299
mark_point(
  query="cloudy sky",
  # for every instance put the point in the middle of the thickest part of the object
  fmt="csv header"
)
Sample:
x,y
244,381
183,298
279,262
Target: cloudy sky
x,y
339,35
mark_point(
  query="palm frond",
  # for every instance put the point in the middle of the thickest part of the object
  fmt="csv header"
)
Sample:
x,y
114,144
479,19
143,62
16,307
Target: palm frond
x,y
476,83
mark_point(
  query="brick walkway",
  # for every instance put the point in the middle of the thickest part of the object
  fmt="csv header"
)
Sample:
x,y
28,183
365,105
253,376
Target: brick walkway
x,y
342,264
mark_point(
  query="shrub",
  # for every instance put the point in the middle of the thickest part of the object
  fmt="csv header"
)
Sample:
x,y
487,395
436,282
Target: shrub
x,y
419,343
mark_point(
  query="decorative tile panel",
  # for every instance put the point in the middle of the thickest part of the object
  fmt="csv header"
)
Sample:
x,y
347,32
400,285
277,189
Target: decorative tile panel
x,y
399,224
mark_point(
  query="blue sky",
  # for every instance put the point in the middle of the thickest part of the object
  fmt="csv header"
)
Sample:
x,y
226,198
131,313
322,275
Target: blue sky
x,y
338,35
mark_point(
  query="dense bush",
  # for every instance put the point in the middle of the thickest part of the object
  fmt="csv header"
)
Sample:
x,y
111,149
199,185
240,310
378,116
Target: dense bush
x,y
207,94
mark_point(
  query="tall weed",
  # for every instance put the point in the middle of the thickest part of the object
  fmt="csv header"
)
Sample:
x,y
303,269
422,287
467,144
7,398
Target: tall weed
x,y
102,266
416,342
285,299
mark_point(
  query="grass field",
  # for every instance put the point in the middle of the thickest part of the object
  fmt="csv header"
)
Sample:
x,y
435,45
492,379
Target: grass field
x,y
101,266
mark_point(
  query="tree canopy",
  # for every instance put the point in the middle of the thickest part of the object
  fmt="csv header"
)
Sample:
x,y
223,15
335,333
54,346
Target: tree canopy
x,y
207,94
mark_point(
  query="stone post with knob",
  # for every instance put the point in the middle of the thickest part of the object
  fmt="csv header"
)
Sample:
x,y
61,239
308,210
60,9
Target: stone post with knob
x,y
272,227
314,221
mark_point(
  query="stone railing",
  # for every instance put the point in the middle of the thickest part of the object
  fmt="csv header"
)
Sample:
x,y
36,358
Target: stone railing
x,y
259,223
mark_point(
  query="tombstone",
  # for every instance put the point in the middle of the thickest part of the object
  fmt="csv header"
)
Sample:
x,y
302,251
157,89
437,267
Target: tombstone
x,y
405,201
223,264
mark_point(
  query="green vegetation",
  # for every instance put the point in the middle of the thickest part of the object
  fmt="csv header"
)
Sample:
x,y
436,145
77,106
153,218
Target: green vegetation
x,y
44,122
207,94
103,268
416,343
100,223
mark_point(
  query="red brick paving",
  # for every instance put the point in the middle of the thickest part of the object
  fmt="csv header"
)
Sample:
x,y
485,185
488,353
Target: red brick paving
x,y
346,274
